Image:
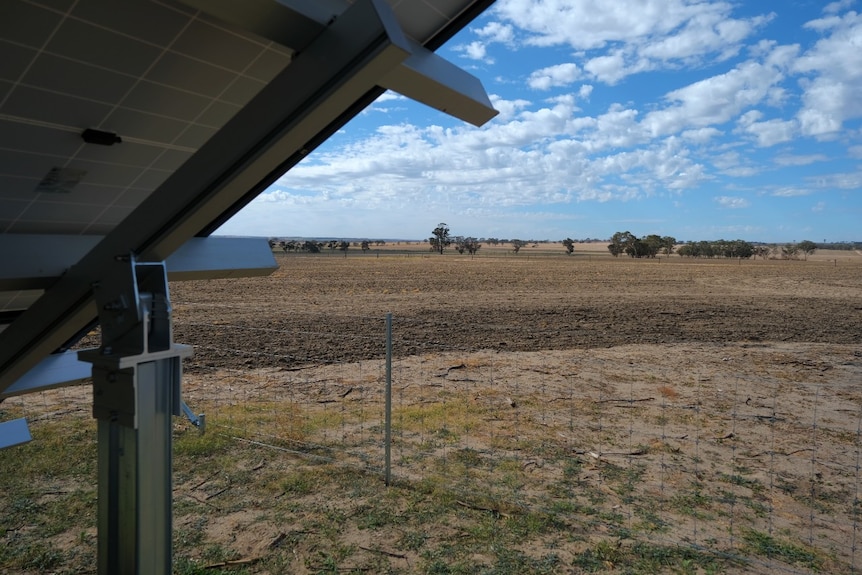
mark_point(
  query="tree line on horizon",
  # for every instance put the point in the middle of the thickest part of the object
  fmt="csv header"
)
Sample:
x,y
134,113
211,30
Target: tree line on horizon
x,y
649,246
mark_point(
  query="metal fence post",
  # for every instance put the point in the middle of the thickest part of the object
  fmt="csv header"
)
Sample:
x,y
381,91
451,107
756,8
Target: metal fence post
x,y
387,440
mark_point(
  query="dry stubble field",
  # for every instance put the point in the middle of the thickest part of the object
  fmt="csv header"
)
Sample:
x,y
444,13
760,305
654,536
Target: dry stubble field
x,y
553,414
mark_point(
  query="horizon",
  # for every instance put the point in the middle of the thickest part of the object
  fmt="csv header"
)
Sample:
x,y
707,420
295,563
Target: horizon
x,y
677,118
528,240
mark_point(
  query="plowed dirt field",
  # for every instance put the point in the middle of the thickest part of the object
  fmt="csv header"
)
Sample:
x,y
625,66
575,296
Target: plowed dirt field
x,y
526,302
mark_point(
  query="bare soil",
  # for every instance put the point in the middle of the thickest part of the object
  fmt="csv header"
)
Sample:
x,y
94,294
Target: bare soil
x,y
551,412
690,392
516,303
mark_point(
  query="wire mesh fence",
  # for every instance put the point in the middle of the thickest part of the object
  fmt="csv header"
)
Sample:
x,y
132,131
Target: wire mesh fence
x,y
750,451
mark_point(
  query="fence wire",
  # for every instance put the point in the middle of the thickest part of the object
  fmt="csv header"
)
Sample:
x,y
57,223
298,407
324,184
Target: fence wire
x,y
749,451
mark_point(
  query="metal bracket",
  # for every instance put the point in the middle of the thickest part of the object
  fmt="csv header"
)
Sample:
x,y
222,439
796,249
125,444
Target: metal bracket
x,y
135,312
14,432
136,389
199,420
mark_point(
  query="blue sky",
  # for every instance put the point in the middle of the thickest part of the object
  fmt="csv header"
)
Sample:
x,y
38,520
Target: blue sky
x,y
696,119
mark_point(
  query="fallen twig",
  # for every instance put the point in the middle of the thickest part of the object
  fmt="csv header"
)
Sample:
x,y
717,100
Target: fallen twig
x,y
383,552
596,455
627,453
624,400
448,369
217,493
782,453
202,501
233,563
479,508
772,418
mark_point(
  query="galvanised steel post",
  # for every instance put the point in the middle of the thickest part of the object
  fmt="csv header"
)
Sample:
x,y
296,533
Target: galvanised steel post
x,y
387,440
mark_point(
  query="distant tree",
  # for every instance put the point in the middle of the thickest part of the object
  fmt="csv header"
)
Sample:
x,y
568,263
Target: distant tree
x,y
718,248
343,245
704,249
366,246
651,246
620,241
640,248
789,251
472,245
761,252
807,247
517,245
667,245
311,246
440,240
458,241
840,245
742,249
570,245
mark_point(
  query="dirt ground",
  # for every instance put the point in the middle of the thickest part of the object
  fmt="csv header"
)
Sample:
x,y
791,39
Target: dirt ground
x,y
517,303
705,403
726,392
697,444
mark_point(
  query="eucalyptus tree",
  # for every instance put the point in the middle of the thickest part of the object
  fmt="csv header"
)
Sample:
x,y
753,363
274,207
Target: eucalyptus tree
x,y
440,239
807,247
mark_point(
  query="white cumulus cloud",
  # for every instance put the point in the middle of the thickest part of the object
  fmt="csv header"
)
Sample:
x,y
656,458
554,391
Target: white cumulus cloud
x,y
833,75
770,132
644,34
553,76
719,99
497,32
732,202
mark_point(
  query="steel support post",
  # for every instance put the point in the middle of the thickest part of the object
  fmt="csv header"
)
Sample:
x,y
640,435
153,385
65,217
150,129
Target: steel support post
x,y
137,376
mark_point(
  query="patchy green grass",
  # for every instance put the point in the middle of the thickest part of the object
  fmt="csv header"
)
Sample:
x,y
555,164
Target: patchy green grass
x,y
646,558
766,545
47,499
530,507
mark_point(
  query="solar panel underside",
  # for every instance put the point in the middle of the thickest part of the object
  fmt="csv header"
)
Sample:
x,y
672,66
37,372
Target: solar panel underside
x,y
163,76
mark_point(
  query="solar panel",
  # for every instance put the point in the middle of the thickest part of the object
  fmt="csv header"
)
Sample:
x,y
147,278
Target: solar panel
x,y
162,76
156,80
